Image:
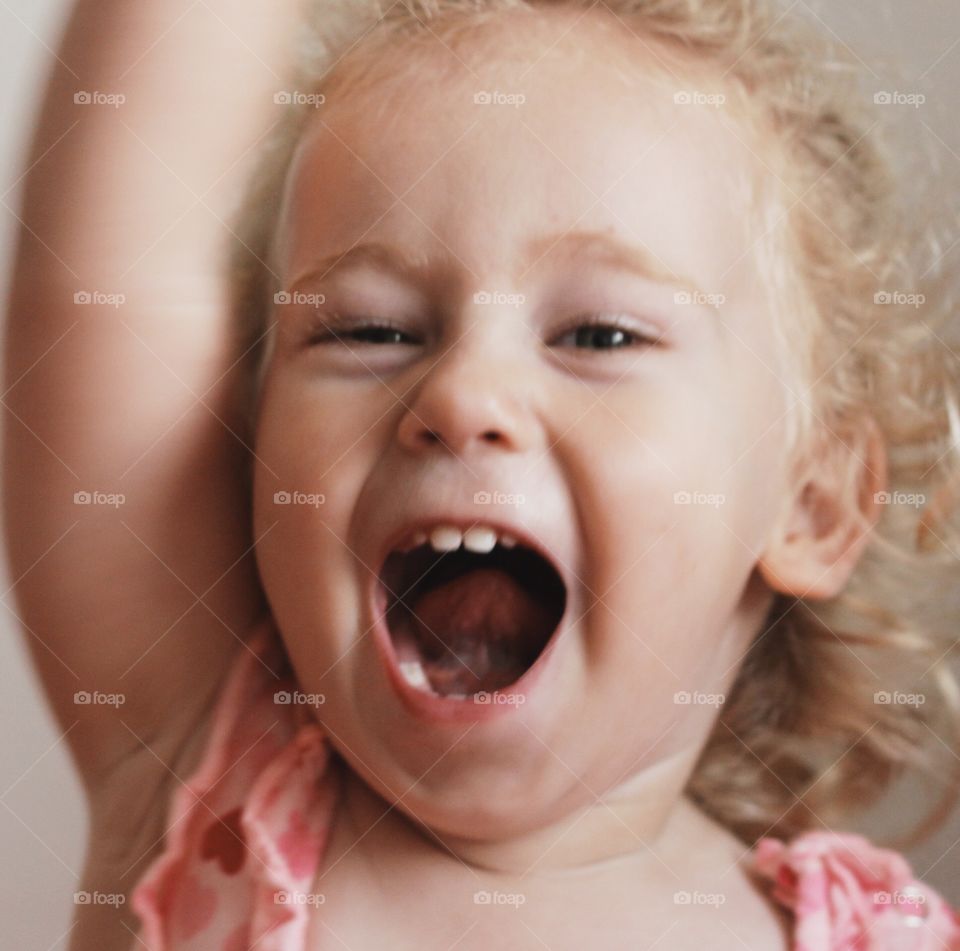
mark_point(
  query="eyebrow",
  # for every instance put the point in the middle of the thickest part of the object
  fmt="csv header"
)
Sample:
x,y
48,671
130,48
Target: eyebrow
x,y
603,248
370,254
558,247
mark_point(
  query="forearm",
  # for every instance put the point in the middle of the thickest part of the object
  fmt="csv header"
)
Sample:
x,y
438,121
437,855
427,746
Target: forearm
x,y
150,181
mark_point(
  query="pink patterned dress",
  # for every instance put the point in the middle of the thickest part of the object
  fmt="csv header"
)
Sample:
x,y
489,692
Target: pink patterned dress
x,y
245,836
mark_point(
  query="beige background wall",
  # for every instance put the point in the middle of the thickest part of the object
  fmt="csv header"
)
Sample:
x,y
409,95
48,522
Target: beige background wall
x,y
42,817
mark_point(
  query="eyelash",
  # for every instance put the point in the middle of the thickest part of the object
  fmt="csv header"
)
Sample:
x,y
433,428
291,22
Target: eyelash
x,y
334,326
615,322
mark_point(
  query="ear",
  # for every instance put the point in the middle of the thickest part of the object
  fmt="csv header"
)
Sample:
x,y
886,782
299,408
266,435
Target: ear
x,y
828,516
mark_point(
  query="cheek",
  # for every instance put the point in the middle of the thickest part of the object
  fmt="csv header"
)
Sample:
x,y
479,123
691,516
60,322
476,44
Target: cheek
x,y
316,447
646,441
296,478
308,432
634,453
664,503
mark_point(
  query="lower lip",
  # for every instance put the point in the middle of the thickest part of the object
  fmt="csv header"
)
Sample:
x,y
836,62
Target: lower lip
x,y
433,708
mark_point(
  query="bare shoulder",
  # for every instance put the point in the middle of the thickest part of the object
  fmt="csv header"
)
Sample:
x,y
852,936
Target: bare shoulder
x,y
729,904
760,921
750,913
737,914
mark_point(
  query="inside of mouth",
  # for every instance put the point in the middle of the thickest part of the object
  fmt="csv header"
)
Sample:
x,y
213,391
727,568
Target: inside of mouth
x,y
462,623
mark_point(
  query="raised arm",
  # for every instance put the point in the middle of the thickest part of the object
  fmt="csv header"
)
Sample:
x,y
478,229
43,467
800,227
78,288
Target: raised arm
x,y
126,524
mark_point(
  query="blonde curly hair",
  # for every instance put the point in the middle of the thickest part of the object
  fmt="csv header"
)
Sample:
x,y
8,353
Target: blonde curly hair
x,y
866,317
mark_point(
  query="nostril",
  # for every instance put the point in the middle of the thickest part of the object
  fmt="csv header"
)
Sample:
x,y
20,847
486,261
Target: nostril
x,y
433,437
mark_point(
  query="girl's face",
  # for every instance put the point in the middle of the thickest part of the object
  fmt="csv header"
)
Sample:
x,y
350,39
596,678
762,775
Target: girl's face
x,y
536,198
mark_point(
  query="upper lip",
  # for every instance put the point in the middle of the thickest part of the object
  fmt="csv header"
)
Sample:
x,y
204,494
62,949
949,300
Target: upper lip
x,y
541,538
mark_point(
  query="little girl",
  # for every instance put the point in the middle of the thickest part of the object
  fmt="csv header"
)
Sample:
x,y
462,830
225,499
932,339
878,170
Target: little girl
x,y
599,436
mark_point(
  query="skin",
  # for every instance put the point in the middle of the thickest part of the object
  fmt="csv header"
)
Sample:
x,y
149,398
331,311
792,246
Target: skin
x,y
596,440
152,600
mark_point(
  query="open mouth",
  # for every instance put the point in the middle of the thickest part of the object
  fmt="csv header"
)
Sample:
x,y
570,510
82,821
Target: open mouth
x,y
463,622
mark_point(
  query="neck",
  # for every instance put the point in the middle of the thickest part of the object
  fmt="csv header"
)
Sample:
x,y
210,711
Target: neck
x,y
645,826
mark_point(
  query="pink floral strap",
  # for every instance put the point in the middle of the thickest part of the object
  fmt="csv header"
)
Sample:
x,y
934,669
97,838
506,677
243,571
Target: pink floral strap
x,y
849,895
245,833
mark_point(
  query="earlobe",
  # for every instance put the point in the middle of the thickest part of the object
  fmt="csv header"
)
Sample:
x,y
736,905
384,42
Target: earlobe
x,y
815,547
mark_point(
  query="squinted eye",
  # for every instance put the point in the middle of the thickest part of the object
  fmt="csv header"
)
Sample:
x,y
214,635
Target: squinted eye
x,y
374,333
588,332
332,328
605,332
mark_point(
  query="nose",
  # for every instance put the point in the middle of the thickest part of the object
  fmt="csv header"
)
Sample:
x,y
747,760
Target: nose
x,y
472,397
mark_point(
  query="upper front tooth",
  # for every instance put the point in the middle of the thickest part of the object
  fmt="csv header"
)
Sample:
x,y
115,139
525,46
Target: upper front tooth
x,y
446,538
477,538
480,539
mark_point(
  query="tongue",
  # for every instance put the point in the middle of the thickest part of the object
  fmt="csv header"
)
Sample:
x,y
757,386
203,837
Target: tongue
x,y
479,631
